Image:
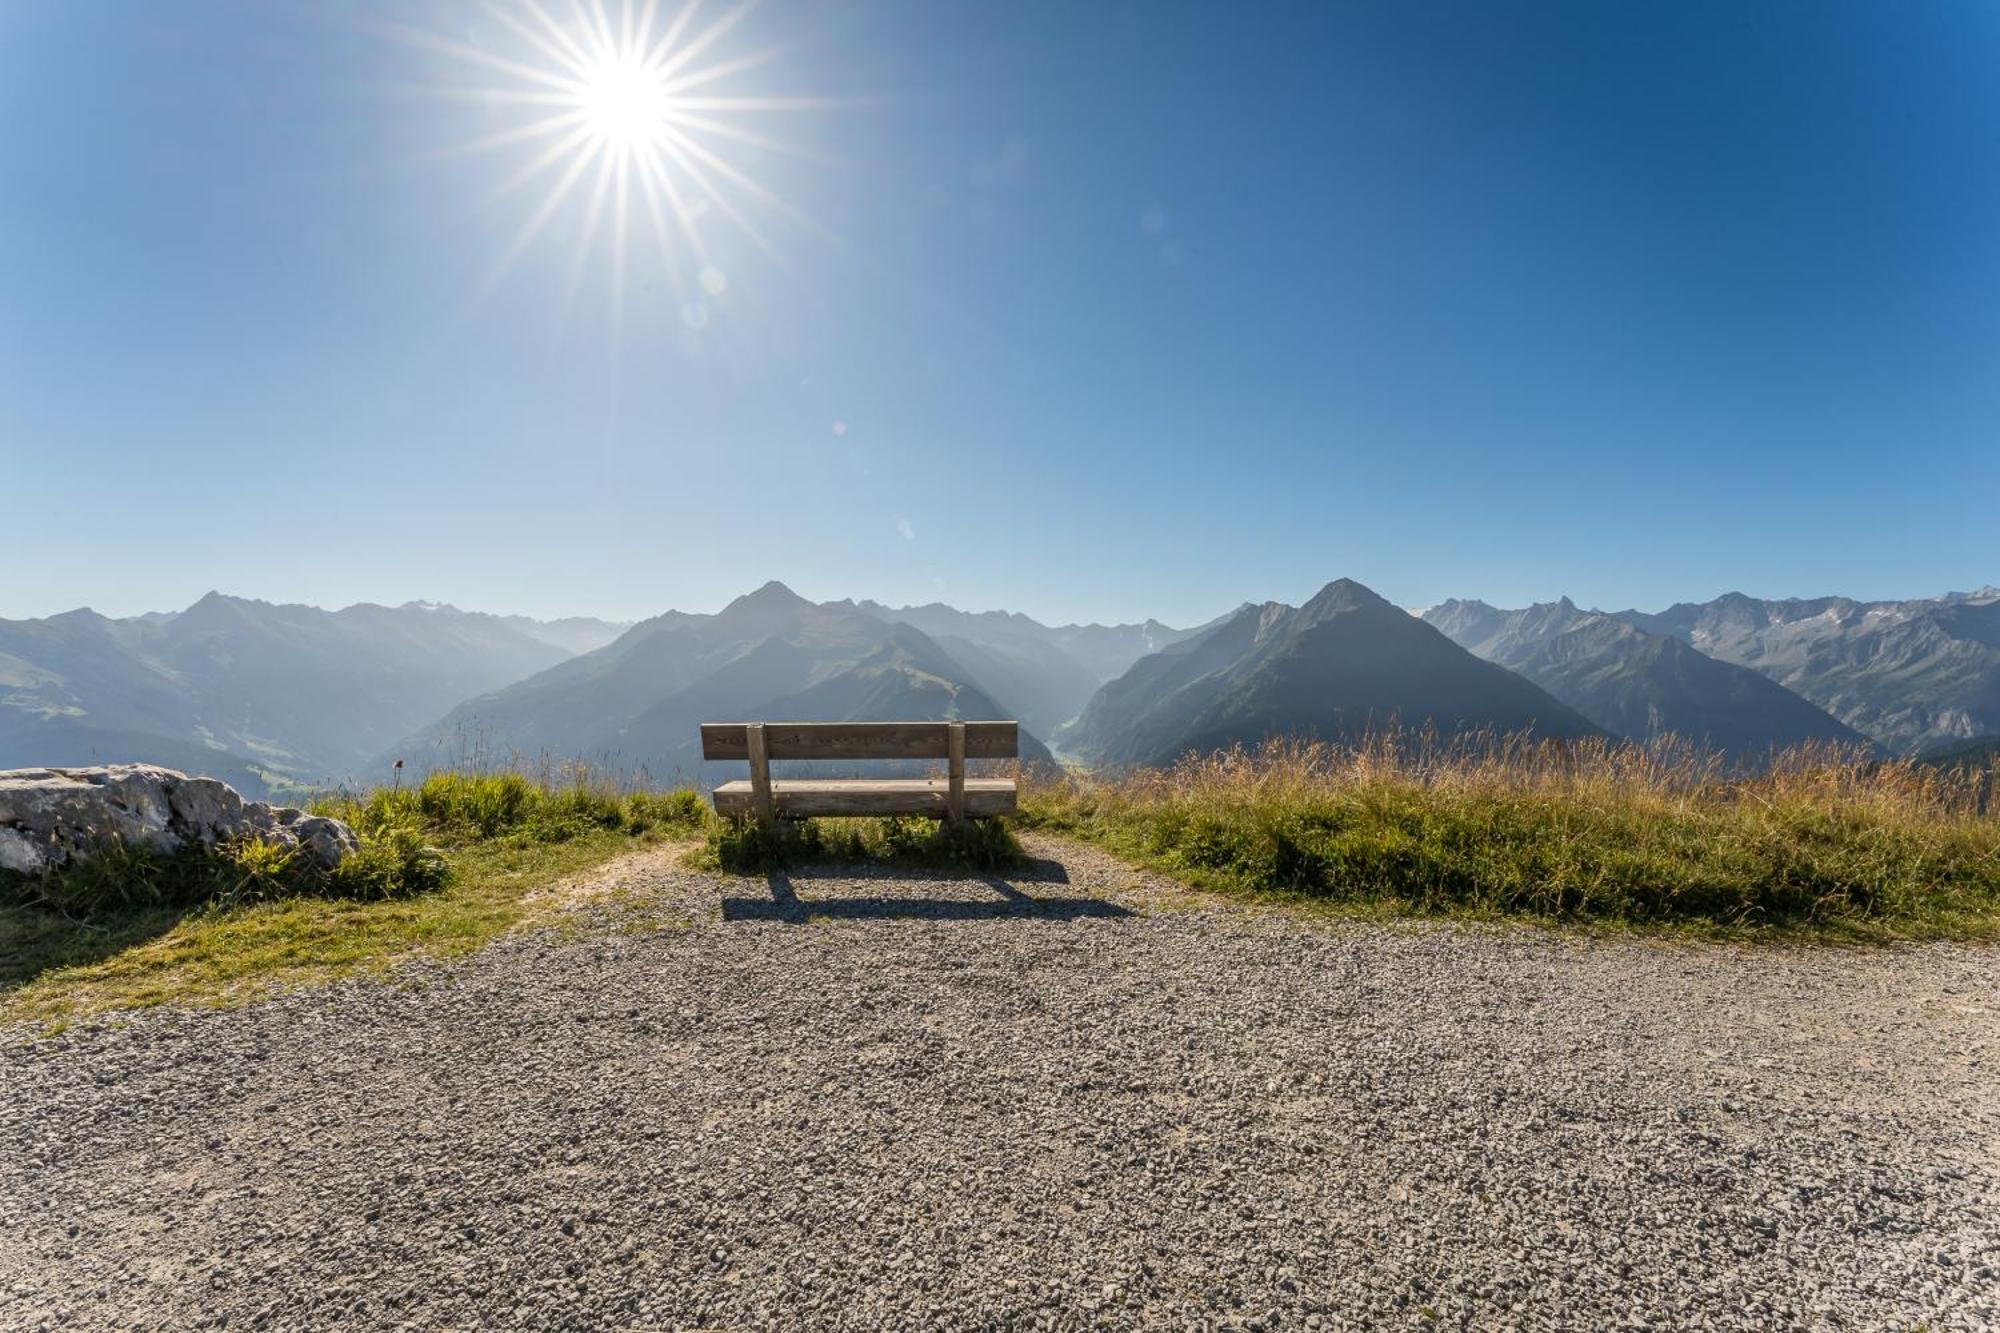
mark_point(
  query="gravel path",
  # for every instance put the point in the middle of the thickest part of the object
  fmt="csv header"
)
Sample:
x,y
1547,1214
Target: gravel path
x,y
1088,1099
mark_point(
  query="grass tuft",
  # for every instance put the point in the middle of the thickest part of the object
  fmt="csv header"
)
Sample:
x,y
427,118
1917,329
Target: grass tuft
x,y
743,846
392,862
467,807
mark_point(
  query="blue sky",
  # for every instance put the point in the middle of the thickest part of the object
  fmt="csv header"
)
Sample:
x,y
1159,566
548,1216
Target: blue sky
x,y
1090,311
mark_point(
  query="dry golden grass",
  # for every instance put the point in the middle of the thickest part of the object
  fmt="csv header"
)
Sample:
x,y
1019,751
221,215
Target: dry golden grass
x,y
1825,841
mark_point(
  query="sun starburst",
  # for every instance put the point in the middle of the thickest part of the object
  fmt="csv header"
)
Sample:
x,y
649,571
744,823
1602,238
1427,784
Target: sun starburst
x,y
631,113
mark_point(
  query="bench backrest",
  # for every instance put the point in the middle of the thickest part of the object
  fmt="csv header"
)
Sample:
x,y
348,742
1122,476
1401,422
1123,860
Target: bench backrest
x,y
860,740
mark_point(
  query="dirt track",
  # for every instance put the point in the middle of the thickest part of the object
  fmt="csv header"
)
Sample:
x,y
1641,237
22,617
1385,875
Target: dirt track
x,y
1079,1099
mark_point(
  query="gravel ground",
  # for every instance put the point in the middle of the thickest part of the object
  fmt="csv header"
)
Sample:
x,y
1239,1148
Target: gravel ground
x,y
1084,1098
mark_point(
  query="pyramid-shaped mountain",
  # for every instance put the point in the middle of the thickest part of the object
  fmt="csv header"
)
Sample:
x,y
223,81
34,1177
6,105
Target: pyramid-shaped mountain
x,y
636,705
1344,665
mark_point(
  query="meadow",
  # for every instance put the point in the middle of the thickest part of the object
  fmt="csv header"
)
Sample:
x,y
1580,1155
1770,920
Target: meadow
x,y
1825,841
445,866
1824,845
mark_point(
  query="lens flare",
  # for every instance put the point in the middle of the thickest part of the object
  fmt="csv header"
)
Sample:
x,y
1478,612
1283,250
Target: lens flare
x,y
635,113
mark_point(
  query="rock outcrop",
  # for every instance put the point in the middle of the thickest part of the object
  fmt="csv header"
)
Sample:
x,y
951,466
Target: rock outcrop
x,y
51,816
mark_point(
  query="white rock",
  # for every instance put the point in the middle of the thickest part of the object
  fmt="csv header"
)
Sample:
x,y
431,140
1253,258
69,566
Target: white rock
x,y
50,816
19,853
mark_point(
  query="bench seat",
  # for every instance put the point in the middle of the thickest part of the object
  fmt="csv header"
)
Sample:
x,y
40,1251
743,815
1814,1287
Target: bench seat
x,y
985,798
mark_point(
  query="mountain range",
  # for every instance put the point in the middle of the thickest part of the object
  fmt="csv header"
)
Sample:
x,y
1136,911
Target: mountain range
x,y
1638,684
1105,651
1916,675
257,693
286,696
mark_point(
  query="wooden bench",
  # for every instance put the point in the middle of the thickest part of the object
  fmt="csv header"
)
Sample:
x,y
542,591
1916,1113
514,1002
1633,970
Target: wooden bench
x,y
954,798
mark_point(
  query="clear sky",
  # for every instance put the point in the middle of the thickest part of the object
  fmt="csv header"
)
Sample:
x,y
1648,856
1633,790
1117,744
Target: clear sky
x,y
1087,310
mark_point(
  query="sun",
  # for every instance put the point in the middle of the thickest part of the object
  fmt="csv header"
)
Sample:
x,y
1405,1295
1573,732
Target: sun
x,y
623,104
633,111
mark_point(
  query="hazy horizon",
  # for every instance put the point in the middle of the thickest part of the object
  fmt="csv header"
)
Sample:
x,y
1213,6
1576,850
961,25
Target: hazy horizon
x,y
1132,617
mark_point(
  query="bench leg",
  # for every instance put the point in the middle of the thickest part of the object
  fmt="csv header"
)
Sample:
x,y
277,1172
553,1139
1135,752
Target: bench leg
x,y
954,804
760,775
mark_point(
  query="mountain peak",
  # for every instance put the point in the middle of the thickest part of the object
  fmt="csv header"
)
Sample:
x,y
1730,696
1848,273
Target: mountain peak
x,y
773,594
217,608
1342,596
765,611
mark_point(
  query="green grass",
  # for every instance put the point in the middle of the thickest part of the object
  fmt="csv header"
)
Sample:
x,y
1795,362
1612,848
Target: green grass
x,y
54,969
743,847
470,806
1826,844
394,860
130,931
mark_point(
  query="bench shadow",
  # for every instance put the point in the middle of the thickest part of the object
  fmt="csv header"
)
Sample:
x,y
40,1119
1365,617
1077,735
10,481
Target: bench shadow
x,y
1010,900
